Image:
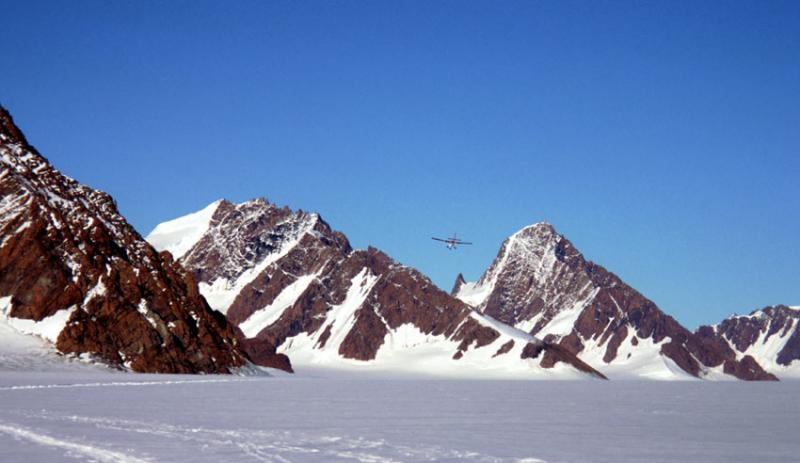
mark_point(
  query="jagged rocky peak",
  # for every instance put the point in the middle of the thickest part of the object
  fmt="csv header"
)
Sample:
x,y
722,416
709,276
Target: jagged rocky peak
x,y
241,254
292,285
534,266
769,335
538,245
541,284
529,246
227,246
73,271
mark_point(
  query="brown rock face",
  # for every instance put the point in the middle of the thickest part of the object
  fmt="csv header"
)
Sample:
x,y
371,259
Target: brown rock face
x,y
748,369
505,348
554,353
262,352
541,284
64,246
400,295
753,333
342,300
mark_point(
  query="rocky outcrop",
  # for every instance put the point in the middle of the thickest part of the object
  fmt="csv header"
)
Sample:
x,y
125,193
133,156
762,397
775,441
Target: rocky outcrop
x,y
769,337
460,281
286,279
74,269
541,284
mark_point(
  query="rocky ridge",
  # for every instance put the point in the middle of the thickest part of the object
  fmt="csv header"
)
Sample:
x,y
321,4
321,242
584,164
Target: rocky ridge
x,y
73,271
769,335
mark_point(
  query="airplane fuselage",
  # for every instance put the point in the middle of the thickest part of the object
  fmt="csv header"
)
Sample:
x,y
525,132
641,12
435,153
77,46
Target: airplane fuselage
x,y
452,243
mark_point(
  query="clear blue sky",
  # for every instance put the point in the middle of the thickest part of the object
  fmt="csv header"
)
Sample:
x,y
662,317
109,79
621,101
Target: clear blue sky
x,y
662,138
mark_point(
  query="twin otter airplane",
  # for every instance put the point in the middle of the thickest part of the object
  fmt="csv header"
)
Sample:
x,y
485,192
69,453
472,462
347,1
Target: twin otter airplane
x,y
452,243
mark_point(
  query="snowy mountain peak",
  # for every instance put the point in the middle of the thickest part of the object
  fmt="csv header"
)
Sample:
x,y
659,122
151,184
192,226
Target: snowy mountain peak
x,y
179,235
230,247
530,254
541,284
529,246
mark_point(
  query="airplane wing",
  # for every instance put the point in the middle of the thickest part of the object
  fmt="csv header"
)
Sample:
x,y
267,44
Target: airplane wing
x,y
462,242
439,239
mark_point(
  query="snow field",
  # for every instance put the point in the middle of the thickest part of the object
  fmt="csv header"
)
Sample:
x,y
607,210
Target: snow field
x,y
317,417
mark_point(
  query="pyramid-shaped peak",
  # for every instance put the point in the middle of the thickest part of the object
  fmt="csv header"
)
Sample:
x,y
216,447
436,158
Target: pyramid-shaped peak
x,y
527,248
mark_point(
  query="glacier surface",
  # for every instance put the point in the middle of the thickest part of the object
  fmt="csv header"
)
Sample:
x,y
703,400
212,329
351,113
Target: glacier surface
x,y
324,416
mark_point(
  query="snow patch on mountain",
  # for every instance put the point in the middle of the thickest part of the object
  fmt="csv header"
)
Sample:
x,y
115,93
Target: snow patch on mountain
x,y
179,235
47,328
564,321
98,290
502,328
12,206
262,318
407,349
473,294
642,360
767,346
147,313
340,318
31,348
308,348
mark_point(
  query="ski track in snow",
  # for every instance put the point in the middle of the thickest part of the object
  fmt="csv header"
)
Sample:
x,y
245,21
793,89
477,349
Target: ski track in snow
x,y
75,449
115,384
86,437
323,417
247,444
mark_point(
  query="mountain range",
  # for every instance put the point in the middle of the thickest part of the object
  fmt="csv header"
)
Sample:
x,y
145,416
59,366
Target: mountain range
x,y
287,280
234,285
291,283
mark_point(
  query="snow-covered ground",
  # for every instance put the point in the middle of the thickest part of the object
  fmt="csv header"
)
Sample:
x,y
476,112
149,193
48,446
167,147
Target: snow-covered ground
x,y
26,345
319,416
